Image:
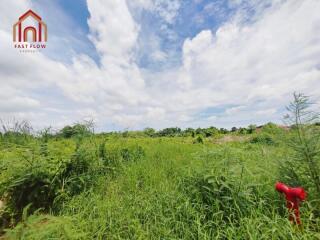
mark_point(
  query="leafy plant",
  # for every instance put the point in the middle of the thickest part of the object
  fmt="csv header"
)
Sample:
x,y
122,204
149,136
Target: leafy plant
x,y
199,139
79,129
303,167
132,154
263,139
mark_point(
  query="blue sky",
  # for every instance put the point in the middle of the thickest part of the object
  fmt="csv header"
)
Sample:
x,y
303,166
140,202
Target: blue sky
x,y
161,63
192,17
68,23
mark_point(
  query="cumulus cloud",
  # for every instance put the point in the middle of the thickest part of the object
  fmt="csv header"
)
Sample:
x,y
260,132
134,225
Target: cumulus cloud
x,y
247,68
262,61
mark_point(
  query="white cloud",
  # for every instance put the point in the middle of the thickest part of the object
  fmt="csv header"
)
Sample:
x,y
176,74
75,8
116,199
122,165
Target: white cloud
x,y
263,61
235,110
10,10
112,28
114,84
167,9
156,113
253,65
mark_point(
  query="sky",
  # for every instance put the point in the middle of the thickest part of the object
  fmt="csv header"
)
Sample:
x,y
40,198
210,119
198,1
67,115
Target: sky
x,y
132,64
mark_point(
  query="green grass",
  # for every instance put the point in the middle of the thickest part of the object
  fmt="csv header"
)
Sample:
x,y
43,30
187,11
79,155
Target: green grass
x,y
174,190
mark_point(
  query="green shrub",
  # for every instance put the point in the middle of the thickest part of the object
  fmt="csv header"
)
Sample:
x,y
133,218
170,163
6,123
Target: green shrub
x,y
199,139
44,183
221,198
76,175
132,154
29,187
16,138
78,129
263,139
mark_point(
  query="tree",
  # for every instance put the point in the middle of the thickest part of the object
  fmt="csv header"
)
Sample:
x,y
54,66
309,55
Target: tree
x,y
189,132
67,131
169,132
243,130
223,130
149,132
304,167
251,128
78,129
211,131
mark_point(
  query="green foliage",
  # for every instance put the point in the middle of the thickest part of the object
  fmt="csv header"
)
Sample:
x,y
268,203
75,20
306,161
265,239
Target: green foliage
x,y
251,128
44,182
199,139
189,132
31,187
263,139
221,198
112,158
272,128
132,154
207,132
171,132
243,130
150,132
223,130
16,132
79,129
303,167
143,186
67,132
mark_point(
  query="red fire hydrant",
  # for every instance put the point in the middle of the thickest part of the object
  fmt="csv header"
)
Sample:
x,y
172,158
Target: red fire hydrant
x,y
293,197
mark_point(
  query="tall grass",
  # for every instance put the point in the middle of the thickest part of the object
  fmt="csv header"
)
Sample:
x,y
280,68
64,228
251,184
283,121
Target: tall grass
x,y
153,188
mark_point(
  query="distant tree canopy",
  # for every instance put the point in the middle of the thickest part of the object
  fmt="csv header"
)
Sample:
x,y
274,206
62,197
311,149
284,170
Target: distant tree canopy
x,y
196,132
188,132
76,130
14,129
234,129
149,132
175,131
207,132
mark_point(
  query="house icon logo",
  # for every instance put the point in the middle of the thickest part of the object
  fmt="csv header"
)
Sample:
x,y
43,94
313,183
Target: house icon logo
x,y
30,32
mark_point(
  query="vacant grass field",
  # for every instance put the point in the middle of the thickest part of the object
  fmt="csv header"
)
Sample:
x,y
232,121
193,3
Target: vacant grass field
x,y
113,187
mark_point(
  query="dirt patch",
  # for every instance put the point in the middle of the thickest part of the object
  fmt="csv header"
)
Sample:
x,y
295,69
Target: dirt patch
x,y
231,138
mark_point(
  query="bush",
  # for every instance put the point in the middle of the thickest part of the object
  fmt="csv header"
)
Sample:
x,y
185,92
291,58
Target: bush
x,y
79,129
169,132
220,198
150,132
76,175
199,139
263,139
272,128
132,154
45,182
34,187
113,157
